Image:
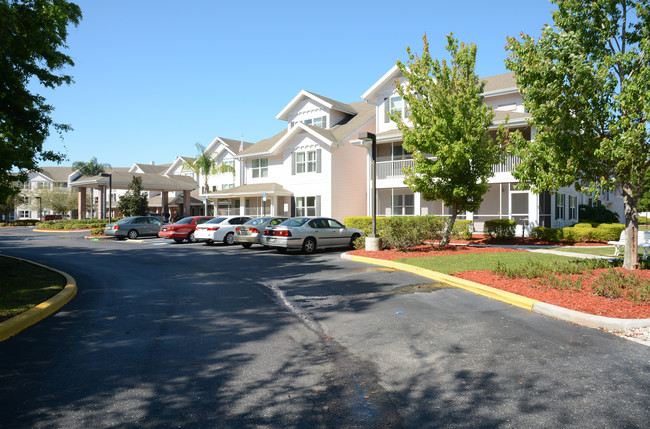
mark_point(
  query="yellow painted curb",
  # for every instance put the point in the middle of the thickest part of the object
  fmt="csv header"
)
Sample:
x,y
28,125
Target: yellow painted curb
x,y
12,326
490,292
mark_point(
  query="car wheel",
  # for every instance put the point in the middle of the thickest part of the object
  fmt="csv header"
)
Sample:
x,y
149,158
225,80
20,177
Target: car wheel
x,y
229,239
191,238
281,249
246,245
178,240
132,235
209,242
353,239
309,245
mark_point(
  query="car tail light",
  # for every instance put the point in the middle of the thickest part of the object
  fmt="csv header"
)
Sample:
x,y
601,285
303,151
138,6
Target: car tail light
x,y
237,229
278,232
116,227
212,228
254,231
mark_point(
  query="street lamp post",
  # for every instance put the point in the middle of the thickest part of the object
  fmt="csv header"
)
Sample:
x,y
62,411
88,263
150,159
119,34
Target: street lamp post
x,y
110,194
373,243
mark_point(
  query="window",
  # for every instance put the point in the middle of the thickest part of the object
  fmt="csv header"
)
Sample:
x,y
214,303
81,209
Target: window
x,y
24,185
400,153
397,106
403,205
260,167
230,186
306,162
319,122
573,204
60,184
308,206
42,185
23,213
559,206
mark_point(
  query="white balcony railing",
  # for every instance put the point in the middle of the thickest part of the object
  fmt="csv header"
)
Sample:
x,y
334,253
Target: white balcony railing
x,y
507,166
392,169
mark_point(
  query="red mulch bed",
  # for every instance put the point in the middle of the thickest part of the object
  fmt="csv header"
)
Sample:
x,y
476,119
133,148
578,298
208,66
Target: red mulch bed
x,y
583,300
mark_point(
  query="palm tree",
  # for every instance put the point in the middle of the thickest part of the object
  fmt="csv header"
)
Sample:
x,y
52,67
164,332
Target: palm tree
x,y
204,165
90,168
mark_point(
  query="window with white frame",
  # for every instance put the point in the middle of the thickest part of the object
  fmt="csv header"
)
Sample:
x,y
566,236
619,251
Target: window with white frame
x,y
306,162
23,213
42,185
227,186
24,185
260,167
560,204
319,122
308,206
403,204
397,106
573,206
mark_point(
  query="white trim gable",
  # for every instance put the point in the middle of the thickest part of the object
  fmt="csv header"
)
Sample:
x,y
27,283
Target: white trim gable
x,y
214,145
284,114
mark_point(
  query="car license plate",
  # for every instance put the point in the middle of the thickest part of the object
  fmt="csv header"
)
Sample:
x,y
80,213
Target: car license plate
x,y
271,240
163,229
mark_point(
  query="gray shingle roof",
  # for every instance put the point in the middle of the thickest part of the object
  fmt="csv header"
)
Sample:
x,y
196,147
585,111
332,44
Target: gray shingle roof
x,y
499,82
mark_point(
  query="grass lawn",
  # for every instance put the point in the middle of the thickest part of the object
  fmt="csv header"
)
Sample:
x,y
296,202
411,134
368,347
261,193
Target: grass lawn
x,y
24,285
449,264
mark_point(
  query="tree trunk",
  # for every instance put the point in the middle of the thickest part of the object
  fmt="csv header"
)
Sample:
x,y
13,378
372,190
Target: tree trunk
x,y
449,227
631,256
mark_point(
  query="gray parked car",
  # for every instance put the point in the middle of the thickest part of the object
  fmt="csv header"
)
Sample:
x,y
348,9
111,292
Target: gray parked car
x,y
308,234
251,232
133,227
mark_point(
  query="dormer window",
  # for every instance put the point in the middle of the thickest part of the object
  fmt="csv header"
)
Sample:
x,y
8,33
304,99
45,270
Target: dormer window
x,y
317,122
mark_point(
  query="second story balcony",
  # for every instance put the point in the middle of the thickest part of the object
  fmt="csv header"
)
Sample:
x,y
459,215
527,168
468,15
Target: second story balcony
x,y
392,169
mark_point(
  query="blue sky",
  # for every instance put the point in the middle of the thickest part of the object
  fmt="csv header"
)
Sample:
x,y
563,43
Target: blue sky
x,y
152,78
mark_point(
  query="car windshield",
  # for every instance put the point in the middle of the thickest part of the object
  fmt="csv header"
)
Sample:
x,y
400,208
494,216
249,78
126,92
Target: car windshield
x,y
184,221
296,221
257,221
216,220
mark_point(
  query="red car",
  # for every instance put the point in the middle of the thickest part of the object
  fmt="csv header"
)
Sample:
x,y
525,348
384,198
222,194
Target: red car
x,y
183,229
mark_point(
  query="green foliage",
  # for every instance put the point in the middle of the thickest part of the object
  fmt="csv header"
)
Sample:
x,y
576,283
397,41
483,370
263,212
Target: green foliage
x,y
586,84
404,232
596,214
97,231
32,43
616,284
59,200
536,269
364,223
500,229
463,229
586,233
134,202
22,222
90,168
204,165
553,235
447,129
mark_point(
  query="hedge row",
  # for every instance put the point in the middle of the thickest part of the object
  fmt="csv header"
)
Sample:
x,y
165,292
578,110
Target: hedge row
x,y
582,232
404,232
21,222
73,224
501,229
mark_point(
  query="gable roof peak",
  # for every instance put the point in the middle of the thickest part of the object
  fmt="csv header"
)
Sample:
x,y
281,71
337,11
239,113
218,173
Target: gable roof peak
x,y
327,102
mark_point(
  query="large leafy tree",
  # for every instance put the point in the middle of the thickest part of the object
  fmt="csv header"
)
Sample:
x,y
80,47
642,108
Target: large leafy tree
x,y
586,83
33,35
447,129
134,202
59,200
203,166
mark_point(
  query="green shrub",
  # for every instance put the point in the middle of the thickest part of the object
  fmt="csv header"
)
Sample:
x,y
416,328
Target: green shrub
x,y
603,232
643,220
22,222
463,229
405,232
501,229
597,214
584,225
97,231
553,235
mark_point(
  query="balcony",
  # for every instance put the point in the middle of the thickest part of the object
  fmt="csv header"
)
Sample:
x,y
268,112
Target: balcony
x,y
507,166
392,169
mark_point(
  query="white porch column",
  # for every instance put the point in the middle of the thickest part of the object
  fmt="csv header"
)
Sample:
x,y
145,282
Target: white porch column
x,y
242,206
417,210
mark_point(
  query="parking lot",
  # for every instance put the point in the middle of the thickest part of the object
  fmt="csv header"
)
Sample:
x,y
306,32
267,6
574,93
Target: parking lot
x,y
169,334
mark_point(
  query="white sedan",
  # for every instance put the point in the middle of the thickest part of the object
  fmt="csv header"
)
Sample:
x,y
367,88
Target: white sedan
x,y
220,228
308,234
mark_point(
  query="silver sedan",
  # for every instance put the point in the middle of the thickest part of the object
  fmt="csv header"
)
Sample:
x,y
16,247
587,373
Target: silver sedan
x,y
251,232
308,234
133,227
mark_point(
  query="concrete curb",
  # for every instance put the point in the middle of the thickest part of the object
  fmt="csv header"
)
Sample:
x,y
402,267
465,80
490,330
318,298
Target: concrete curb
x,y
64,231
560,313
12,326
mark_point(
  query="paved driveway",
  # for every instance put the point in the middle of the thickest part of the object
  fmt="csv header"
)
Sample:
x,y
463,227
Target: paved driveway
x,y
164,334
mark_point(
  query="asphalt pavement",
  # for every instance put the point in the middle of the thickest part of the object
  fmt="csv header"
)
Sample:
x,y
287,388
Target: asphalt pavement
x,y
163,334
